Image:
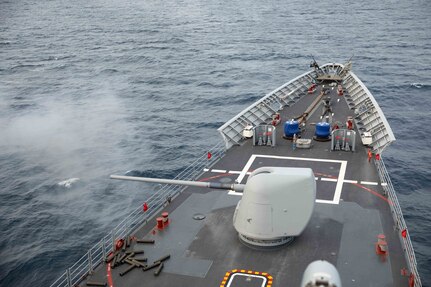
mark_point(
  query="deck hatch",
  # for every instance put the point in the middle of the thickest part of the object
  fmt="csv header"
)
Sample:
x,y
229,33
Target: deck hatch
x,y
239,278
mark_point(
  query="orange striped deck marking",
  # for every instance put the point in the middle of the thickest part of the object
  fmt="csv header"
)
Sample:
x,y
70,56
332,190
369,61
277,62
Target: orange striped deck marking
x,y
229,276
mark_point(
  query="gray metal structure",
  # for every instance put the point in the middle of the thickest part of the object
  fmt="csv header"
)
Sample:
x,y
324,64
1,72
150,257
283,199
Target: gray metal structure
x,y
368,115
265,135
343,139
355,205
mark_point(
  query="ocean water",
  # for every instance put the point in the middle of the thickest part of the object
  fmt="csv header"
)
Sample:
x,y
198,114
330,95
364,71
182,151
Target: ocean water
x,y
92,88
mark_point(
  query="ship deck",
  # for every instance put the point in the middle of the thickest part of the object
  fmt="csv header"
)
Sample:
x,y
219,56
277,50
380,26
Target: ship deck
x,y
351,211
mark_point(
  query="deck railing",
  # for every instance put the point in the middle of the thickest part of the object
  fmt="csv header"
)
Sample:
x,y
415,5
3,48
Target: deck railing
x,y
96,254
400,224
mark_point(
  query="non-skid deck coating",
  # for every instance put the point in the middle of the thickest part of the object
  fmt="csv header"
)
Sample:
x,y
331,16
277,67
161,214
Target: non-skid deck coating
x,y
350,212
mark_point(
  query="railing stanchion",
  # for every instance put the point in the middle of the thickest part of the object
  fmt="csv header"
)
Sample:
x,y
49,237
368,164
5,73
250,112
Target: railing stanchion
x,y
90,262
69,282
113,239
103,249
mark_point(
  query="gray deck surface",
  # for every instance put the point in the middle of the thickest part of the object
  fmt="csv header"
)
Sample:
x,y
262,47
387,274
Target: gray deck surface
x,y
343,232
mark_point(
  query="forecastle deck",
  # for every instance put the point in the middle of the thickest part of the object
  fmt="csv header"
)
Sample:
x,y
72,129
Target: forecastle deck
x,y
352,209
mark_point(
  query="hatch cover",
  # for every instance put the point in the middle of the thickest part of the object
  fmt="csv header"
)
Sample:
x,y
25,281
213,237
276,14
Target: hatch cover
x,y
238,278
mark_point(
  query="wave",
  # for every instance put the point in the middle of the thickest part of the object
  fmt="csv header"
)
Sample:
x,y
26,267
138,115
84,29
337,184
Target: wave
x,y
56,58
23,106
213,85
68,182
244,99
213,125
108,71
23,66
420,85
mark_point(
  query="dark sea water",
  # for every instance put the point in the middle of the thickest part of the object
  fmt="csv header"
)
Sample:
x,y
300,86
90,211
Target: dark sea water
x,y
91,88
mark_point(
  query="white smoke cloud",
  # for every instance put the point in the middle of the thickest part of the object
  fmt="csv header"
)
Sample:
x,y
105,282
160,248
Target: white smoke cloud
x,y
69,137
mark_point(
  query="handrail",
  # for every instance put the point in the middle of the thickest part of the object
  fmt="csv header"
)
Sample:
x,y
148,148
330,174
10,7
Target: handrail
x,y
98,252
373,117
398,217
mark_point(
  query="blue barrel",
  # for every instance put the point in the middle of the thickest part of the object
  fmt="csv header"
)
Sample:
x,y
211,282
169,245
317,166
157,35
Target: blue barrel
x,y
323,130
291,128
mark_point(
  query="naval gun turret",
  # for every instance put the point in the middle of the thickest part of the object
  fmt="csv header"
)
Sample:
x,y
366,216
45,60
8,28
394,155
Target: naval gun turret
x,y
276,205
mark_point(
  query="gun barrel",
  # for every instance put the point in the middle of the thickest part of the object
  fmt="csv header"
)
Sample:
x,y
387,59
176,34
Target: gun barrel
x,y
215,185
